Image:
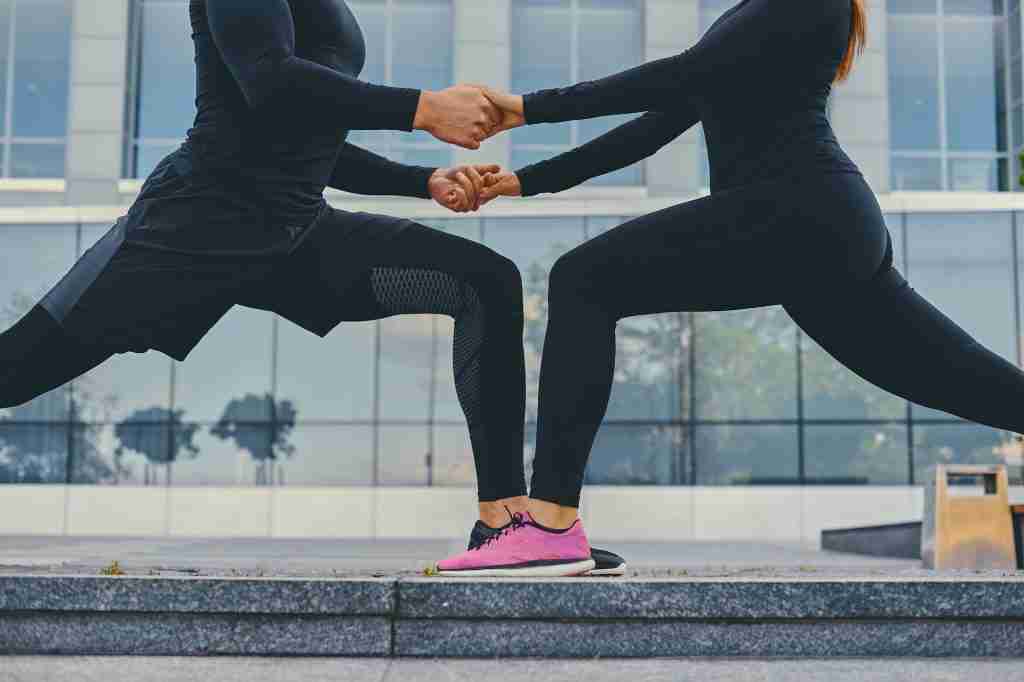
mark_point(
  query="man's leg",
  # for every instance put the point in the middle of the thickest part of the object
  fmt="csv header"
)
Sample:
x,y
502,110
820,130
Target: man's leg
x,y
358,266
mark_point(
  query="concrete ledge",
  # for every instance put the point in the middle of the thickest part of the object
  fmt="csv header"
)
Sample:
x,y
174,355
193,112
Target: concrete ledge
x,y
648,640
767,616
192,634
730,598
364,597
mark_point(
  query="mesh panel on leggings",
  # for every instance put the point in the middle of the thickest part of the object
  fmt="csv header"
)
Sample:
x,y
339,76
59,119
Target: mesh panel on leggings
x,y
410,291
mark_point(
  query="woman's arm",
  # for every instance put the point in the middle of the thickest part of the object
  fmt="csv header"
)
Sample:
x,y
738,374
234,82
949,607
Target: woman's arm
x,y
256,40
362,172
618,148
754,40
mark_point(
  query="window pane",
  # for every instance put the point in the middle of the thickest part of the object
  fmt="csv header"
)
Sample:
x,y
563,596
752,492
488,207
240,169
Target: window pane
x,y
228,459
1018,127
32,453
978,175
745,455
1016,79
534,244
35,258
328,455
1015,34
957,260
746,365
611,37
916,174
990,8
166,72
426,25
914,83
957,444
403,455
41,68
831,391
148,156
406,358
710,10
331,378
37,160
229,371
5,34
636,455
541,58
373,20
139,449
651,362
913,7
453,458
973,85
856,455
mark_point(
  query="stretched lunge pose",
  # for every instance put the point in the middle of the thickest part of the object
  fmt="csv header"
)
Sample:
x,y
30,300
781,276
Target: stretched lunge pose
x,y
237,216
790,221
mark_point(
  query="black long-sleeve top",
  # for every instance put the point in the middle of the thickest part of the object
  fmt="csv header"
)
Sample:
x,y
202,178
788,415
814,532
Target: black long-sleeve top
x,y
758,79
276,94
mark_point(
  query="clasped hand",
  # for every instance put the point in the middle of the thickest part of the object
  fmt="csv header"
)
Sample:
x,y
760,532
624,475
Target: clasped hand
x,y
466,115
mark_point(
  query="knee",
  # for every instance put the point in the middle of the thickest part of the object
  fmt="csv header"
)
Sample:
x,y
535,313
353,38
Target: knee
x,y
504,283
567,279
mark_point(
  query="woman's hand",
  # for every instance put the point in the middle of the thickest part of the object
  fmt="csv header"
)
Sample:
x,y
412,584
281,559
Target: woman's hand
x,y
500,184
460,189
461,115
511,107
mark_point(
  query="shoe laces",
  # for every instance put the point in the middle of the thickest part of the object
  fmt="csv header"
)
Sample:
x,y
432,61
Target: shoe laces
x,y
518,521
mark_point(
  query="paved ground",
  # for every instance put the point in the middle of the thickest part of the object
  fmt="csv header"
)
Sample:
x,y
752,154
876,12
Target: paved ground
x,y
38,669
343,558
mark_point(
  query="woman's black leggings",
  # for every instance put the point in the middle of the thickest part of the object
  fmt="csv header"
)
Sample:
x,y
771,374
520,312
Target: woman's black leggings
x,y
816,245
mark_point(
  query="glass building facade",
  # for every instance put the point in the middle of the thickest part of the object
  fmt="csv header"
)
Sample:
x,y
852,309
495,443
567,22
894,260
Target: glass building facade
x,y
705,398
738,398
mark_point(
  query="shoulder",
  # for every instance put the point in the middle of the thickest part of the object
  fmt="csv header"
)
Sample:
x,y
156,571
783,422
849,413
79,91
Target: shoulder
x,y
325,18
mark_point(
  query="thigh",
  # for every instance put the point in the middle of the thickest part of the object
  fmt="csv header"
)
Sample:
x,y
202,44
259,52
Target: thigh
x,y
750,246
719,252
125,298
328,279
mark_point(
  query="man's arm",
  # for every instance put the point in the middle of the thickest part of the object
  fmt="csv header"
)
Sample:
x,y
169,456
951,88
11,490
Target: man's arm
x,y
362,172
256,39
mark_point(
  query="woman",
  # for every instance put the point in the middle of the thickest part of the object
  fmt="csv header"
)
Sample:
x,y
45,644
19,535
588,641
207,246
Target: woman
x,y
790,220
237,216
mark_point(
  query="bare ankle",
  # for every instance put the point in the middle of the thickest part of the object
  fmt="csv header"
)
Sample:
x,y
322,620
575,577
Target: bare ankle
x,y
553,515
497,513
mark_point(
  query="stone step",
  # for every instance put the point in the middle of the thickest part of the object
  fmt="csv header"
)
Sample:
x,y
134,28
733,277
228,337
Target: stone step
x,y
972,615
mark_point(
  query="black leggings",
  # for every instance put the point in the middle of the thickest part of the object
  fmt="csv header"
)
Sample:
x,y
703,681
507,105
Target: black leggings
x,y
816,245
354,267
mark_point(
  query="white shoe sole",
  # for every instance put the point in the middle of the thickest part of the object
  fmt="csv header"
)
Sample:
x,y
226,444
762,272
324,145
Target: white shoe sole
x,y
617,571
555,571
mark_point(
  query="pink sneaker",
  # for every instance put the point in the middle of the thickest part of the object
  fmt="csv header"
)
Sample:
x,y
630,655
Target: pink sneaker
x,y
524,549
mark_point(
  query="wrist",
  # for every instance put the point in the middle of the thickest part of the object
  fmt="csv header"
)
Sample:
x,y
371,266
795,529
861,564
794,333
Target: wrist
x,y
425,110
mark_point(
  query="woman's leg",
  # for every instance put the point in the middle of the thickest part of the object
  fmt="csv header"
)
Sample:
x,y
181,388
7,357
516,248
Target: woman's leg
x,y
741,248
889,335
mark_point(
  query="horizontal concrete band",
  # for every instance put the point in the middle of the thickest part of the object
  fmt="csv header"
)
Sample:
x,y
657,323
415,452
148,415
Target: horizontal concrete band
x,y
597,600
191,634
981,617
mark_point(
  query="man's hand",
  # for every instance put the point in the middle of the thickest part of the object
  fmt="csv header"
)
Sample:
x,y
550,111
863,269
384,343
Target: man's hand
x,y
461,115
460,189
500,184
